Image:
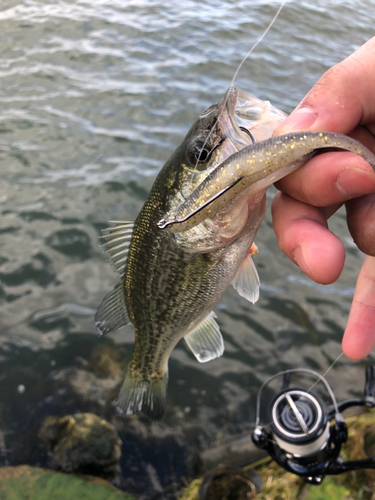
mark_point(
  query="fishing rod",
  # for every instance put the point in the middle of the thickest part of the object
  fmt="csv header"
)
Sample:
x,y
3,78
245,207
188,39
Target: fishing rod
x,y
304,434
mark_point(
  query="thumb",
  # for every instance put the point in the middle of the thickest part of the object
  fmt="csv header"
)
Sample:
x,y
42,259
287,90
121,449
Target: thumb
x,y
342,99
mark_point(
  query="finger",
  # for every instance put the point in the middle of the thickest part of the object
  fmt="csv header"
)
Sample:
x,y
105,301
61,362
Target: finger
x,y
361,222
330,178
304,236
359,336
365,134
341,100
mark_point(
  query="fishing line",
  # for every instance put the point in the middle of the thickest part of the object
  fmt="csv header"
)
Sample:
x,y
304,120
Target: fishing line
x,y
328,369
259,40
237,71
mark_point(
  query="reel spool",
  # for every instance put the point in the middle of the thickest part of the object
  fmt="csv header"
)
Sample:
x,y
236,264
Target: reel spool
x,y
299,423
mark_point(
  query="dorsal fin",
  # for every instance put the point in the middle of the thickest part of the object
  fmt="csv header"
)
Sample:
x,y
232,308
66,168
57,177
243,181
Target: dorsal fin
x,y
118,238
206,341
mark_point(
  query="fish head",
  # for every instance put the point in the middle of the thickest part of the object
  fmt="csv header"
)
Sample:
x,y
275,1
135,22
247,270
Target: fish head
x,y
237,121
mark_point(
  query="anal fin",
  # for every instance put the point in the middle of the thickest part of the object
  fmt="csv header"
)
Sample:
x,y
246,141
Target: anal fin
x,y
206,341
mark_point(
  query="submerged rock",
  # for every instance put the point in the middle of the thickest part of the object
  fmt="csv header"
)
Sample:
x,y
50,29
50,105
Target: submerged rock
x,y
33,483
83,443
107,360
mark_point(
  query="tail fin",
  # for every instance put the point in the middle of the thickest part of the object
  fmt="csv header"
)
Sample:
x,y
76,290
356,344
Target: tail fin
x,y
147,396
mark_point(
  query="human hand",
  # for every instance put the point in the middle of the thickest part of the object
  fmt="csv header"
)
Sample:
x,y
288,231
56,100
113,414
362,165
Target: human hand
x,y
342,101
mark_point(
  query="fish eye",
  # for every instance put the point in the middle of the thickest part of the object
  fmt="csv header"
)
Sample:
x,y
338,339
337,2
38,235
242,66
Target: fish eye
x,y
198,155
202,155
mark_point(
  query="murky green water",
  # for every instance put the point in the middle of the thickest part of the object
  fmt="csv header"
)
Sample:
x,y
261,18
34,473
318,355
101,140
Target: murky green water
x,y
94,97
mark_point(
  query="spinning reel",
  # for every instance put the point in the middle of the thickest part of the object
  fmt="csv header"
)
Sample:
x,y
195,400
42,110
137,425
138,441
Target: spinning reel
x,y
300,436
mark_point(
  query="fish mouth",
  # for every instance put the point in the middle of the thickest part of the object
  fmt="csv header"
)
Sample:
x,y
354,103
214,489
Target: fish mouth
x,y
239,135
245,119
237,121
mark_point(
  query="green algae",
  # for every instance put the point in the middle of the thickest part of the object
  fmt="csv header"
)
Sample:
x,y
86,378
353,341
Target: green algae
x,y
328,490
32,483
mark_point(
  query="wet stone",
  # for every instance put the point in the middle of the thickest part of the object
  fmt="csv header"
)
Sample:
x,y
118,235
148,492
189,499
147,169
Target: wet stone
x,y
83,443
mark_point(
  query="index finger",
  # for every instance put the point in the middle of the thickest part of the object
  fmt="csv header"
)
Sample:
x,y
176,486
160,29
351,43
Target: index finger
x,y
329,179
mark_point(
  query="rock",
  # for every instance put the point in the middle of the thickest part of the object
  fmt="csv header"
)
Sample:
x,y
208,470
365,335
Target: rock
x,y
89,387
236,451
230,483
107,360
33,483
83,443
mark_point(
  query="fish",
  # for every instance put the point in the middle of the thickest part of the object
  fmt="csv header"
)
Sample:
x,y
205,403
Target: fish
x,y
170,282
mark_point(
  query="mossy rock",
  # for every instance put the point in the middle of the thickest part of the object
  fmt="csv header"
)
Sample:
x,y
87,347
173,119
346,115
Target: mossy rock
x,y
83,443
32,483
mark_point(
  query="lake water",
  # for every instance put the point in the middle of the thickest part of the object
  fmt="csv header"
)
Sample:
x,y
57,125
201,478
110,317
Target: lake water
x,y
94,97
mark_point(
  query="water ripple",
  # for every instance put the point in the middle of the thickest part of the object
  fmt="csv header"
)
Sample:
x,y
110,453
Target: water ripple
x,y
95,96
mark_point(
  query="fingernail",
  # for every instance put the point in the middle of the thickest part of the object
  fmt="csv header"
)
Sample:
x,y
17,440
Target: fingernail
x,y
355,182
301,119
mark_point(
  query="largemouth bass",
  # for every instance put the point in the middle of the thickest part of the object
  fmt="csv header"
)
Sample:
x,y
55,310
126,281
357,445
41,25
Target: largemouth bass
x,y
170,283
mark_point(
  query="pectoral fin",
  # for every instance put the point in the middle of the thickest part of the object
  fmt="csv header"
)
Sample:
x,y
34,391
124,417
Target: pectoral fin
x,y
206,341
246,281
